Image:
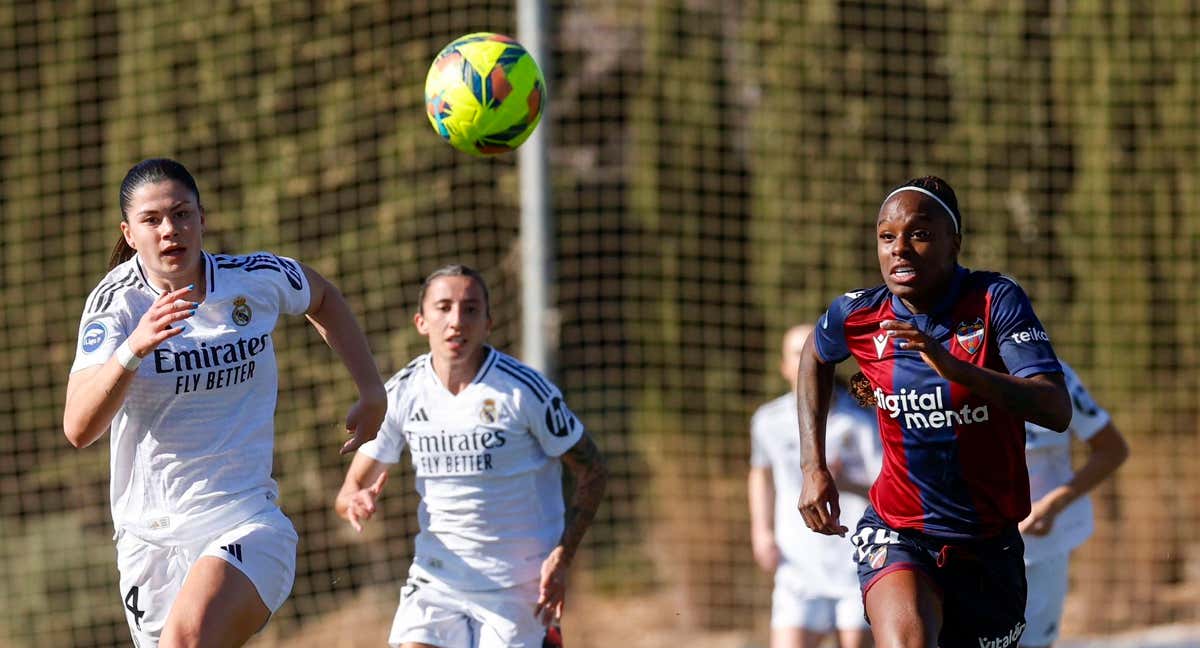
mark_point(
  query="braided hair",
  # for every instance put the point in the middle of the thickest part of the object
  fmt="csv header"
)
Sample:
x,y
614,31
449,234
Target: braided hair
x,y
860,389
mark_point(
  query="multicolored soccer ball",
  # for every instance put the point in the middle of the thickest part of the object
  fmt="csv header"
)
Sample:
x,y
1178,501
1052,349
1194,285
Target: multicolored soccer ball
x,y
484,94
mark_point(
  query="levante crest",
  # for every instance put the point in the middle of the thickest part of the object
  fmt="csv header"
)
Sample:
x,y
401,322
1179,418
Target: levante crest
x,y
970,335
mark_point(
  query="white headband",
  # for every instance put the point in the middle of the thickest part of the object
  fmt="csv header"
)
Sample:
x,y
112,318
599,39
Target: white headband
x,y
931,195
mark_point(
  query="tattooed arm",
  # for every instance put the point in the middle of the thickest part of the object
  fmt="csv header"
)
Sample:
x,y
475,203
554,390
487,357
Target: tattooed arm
x,y
590,475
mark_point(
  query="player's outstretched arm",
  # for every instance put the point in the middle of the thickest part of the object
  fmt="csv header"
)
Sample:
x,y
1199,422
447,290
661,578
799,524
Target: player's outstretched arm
x,y
590,474
1042,399
819,495
331,316
364,481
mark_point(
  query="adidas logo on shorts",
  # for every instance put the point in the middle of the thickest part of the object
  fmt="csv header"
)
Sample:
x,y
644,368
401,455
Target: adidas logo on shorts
x,y
234,550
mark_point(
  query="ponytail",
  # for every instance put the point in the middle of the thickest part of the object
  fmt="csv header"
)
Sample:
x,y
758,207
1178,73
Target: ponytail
x,y
121,253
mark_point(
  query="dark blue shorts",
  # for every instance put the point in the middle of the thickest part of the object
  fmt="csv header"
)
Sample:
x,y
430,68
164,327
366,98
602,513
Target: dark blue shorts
x,y
981,582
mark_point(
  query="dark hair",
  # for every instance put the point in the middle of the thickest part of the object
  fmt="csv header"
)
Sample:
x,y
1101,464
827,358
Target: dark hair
x,y
455,270
860,388
944,193
147,171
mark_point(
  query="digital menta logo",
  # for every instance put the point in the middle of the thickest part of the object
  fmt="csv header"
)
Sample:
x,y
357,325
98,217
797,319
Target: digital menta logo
x,y
927,410
93,336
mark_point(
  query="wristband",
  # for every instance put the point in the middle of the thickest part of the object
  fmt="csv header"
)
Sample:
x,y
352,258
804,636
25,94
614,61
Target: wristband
x,y
127,358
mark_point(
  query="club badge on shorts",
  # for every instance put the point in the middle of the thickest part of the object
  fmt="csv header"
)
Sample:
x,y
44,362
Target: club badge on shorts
x,y
970,335
241,311
878,557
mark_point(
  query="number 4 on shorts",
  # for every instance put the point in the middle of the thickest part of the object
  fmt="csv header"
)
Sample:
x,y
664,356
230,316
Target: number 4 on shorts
x,y
131,604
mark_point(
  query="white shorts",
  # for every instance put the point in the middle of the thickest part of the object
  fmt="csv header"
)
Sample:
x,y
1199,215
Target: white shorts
x,y
263,548
431,613
1044,607
791,608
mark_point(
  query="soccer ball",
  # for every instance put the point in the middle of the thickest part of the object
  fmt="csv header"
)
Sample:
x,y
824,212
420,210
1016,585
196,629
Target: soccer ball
x,y
484,94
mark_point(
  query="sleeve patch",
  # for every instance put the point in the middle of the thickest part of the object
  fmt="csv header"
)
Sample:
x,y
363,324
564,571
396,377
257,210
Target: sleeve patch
x,y
93,336
559,420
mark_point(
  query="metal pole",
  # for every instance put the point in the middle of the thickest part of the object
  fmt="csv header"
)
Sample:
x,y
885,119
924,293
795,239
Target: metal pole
x,y
539,321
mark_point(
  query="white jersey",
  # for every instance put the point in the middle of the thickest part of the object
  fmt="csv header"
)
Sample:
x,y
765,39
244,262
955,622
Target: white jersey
x,y
191,445
1048,455
486,469
819,564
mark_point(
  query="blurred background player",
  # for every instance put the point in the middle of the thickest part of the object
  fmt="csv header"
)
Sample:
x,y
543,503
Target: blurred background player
x,y
488,437
955,361
176,355
1061,515
816,588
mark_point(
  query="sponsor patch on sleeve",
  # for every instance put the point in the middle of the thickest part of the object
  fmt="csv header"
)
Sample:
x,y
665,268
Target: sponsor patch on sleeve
x,y
93,336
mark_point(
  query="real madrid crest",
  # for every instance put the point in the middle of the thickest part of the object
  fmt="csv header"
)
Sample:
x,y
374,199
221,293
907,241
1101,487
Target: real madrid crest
x,y
241,312
970,335
487,413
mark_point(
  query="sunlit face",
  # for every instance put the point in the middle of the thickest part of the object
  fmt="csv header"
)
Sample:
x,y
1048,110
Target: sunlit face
x,y
793,345
918,248
165,225
454,316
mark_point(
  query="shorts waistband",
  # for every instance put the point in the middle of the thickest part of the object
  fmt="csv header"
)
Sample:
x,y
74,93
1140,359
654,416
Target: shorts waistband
x,y
1005,536
963,547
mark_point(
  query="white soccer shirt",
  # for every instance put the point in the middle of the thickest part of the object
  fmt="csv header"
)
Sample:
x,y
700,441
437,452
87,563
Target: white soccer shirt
x,y
486,469
812,562
1048,455
191,446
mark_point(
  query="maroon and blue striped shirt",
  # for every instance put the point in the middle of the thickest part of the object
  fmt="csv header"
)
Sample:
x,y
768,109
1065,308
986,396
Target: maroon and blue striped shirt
x,y
954,463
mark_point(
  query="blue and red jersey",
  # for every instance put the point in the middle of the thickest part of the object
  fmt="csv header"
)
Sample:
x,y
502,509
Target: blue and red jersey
x,y
954,462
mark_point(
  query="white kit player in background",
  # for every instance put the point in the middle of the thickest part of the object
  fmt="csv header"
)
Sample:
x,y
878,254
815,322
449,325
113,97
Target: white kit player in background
x,y
488,437
1061,518
816,586
176,357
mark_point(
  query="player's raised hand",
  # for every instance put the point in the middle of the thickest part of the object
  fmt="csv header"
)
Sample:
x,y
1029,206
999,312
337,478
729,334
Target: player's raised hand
x,y
363,421
819,503
360,506
157,322
552,588
911,338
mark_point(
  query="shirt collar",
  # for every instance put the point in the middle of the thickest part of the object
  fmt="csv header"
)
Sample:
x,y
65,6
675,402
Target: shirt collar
x,y
209,271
